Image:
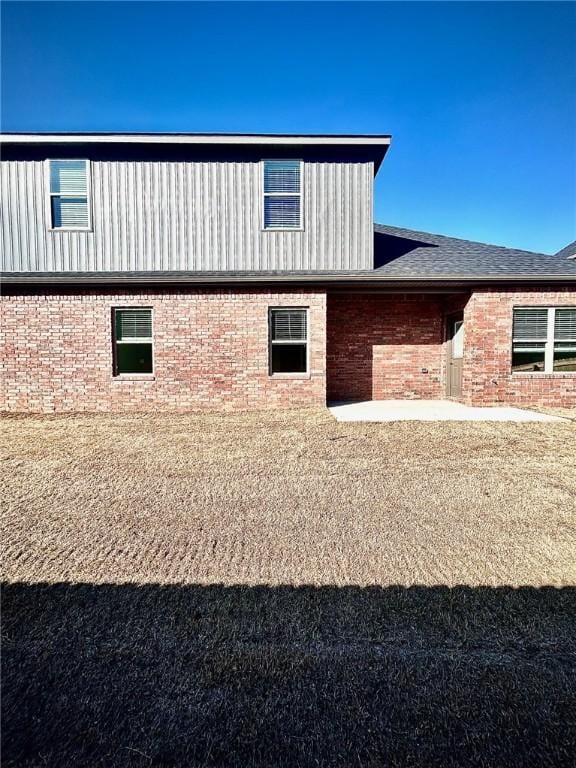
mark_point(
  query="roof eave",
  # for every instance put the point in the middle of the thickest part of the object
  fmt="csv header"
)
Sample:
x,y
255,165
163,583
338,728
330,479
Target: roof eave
x,y
374,146
345,280
196,138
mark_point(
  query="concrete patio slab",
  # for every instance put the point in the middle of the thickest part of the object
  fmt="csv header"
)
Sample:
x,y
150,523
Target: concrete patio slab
x,y
430,410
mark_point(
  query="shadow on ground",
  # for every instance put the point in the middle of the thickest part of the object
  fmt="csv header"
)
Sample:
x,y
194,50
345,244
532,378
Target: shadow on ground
x,y
98,675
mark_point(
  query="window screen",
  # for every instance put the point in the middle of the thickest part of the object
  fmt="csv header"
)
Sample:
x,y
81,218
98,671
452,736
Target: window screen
x,y
529,333
282,194
529,339
564,340
288,341
69,205
544,339
132,341
530,324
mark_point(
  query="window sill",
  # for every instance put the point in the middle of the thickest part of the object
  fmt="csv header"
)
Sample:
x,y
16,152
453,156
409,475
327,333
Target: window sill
x,y
545,375
70,229
134,377
282,229
293,376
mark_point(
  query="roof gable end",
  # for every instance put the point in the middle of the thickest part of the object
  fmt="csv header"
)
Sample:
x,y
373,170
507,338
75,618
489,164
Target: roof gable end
x,y
568,252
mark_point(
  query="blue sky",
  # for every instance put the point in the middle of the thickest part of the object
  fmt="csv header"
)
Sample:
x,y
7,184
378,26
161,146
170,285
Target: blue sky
x,y
479,97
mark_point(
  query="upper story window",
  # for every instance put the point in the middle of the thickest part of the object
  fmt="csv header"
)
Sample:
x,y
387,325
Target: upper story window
x,y
69,194
282,194
544,340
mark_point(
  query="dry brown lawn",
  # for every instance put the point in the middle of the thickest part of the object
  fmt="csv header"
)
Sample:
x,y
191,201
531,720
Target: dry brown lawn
x,y
287,499
283,590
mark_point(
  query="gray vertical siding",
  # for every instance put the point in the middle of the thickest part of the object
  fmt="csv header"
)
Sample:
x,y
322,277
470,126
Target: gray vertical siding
x,y
187,216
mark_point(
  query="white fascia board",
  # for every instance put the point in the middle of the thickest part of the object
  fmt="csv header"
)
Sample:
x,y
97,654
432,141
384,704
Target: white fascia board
x,y
167,138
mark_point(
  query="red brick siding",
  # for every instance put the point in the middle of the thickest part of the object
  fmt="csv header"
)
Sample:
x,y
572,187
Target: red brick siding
x,y
377,346
210,351
488,379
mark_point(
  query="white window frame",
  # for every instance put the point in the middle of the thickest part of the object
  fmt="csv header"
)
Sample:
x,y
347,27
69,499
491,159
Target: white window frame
x,y
144,340
300,194
548,342
271,343
50,194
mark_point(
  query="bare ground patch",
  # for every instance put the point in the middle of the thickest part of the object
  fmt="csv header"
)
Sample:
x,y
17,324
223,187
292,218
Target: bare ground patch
x,y
280,589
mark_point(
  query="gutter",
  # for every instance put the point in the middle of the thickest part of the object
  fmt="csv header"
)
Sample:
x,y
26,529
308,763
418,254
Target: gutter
x,y
344,280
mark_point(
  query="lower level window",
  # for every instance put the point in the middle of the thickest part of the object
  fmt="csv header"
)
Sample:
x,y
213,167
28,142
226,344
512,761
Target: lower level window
x,y
544,340
288,341
565,357
132,341
528,356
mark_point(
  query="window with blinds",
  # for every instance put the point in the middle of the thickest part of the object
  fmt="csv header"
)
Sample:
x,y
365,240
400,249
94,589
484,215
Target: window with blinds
x,y
529,334
288,351
544,339
282,194
565,339
132,341
69,194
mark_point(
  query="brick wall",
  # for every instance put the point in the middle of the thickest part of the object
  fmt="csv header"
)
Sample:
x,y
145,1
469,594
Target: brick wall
x,y
378,346
210,351
487,376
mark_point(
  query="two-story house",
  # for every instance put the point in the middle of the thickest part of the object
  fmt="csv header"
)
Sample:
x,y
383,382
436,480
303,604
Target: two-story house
x,y
188,271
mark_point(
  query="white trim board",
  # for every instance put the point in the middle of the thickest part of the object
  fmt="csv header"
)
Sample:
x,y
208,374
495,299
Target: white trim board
x,y
196,138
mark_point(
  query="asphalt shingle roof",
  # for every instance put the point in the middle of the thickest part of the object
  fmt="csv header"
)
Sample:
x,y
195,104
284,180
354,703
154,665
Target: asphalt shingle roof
x,y
400,255
406,252
568,251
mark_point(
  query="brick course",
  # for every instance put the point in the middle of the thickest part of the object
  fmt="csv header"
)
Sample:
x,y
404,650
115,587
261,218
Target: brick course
x,y
210,351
